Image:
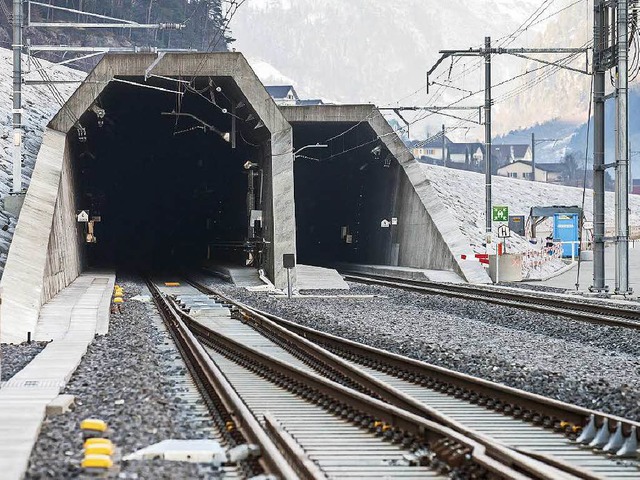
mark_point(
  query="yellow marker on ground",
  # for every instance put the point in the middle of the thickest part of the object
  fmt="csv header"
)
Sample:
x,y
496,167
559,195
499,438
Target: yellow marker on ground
x,y
171,284
97,461
118,300
96,441
94,424
99,449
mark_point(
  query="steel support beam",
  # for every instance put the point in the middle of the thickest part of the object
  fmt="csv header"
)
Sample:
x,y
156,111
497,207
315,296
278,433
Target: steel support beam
x,y
599,43
487,131
622,152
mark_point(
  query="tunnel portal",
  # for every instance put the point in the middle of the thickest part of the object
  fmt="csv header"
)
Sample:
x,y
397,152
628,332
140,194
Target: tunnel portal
x,y
345,194
179,159
165,175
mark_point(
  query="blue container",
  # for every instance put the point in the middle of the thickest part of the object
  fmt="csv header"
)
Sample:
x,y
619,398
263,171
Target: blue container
x,y
566,228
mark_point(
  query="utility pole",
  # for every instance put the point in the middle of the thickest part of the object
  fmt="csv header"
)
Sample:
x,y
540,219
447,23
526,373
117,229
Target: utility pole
x,y
487,132
600,44
486,52
18,45
444,158
533,157
17,96
622,160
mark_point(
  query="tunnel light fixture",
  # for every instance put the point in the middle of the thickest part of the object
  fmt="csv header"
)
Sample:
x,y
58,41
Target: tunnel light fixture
x,y
316,145
100,114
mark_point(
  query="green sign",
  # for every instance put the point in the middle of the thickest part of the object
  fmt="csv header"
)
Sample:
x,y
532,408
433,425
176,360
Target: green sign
x,y
500,214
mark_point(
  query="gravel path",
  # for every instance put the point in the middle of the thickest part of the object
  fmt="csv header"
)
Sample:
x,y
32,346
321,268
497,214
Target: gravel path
x,y
594,366
14,358
123,380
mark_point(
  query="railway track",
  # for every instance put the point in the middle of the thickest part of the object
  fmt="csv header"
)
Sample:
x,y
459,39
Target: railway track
x,y
580,442
602,313
324,417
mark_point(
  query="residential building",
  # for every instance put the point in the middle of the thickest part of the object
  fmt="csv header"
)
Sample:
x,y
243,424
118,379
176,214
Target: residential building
x,y
504,153
470,155
430,150
465,153
522,169
286,95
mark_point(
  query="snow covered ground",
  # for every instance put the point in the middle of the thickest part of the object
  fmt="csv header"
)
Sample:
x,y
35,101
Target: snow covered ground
x,y
464,192
39,106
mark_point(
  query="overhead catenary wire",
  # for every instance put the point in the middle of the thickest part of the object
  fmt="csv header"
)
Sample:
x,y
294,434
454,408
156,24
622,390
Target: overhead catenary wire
x,y
508,39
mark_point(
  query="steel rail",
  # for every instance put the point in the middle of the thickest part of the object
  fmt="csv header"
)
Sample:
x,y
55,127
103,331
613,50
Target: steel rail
x,y
218,388
386,392
598,313
537,409
405,421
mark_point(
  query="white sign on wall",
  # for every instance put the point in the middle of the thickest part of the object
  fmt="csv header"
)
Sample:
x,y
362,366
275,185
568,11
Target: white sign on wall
x,y
83,216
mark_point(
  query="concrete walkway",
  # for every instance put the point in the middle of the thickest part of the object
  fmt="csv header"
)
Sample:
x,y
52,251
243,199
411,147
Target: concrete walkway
x,y
568,279
71,319
405,273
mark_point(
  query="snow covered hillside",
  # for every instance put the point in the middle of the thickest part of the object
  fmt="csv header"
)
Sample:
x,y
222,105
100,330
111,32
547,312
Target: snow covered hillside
x,y
463,194
38,107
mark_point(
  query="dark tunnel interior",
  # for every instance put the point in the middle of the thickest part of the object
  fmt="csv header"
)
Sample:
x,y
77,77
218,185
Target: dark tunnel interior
x,y
161,174
343,193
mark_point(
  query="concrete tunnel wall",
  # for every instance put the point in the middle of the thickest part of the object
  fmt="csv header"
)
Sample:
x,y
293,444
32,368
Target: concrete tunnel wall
x,y
46,253
426,237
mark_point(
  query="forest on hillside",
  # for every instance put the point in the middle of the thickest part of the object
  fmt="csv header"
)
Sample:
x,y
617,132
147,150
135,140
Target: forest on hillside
x,y
206,23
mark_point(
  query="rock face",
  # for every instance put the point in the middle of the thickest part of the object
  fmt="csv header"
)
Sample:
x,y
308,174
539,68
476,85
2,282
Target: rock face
x,y
39,106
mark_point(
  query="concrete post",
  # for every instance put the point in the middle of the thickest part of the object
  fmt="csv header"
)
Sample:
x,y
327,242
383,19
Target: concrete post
x,y
533,157
444,144
17,96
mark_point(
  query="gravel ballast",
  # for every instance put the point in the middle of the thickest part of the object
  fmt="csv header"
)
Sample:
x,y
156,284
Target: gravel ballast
x,y
124,379
14,357
593,366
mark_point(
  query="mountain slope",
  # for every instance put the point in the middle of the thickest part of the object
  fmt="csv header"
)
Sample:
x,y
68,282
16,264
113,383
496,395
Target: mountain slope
x,y
374,51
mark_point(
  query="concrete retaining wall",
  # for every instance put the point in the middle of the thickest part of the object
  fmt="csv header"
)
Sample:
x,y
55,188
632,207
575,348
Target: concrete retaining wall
x,y
64,255
28,264
426,235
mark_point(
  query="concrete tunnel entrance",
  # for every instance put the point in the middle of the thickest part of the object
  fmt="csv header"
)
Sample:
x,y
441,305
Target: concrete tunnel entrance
x,y
364,199
166,176
345,194
171,177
